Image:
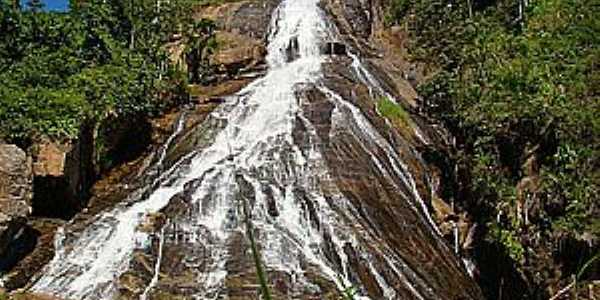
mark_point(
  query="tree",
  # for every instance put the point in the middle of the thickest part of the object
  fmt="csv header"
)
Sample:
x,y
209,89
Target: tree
x,y
101,58
200,40
16,5
35,5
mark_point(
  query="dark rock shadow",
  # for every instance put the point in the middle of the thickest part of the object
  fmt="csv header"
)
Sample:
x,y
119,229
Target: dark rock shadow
x,y
24,243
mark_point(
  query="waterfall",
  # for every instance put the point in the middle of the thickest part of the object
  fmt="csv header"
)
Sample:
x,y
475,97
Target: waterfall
x,y
307,227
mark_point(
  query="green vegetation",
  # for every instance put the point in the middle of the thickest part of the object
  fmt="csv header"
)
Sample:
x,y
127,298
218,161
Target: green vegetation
x,y
101,59
349,293
392,110
261,275
582,270
517,83
396,114
265,291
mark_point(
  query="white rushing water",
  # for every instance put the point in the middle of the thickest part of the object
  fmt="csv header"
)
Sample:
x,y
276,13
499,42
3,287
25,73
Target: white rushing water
x,y
255,144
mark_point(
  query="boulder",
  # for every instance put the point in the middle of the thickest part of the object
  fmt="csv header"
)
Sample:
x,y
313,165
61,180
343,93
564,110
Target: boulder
x,y
237,53
242,30
15,193
28,253
250,18
51,159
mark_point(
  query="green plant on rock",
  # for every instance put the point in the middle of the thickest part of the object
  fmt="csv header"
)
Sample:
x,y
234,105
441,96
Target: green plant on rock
x,y
40,111
396,115
349,293
200,43
587,265
258,263
393,111
509,241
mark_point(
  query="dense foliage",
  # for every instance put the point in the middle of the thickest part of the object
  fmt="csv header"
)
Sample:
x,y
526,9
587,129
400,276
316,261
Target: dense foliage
x,y
102,58
517,83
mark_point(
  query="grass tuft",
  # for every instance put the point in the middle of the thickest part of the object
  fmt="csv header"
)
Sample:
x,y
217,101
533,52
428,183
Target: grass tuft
x,y
392,110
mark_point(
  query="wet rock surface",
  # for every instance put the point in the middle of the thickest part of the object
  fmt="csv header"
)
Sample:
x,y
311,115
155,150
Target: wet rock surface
x,y
383,49
359,16
334,48
384,210
389,221
346,193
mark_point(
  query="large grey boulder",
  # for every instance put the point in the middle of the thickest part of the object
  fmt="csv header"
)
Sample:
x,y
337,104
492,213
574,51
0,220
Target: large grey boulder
x,y
16,192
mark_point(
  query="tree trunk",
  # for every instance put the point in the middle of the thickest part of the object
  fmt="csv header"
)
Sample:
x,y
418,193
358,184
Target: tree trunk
x,y
132,38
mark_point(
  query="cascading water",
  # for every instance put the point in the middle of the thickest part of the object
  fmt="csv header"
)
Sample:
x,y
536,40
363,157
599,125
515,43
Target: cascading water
x,y
307,228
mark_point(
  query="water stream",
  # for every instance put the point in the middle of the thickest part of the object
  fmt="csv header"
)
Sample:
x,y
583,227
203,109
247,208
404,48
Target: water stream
x,y
305,223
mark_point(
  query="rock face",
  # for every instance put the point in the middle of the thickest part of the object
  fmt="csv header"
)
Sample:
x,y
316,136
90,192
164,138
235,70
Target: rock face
x,y
383,206
292,51
334,48
113,142
250,18
15,193
383,50
63,173
29,253
238,53
242,29
335,195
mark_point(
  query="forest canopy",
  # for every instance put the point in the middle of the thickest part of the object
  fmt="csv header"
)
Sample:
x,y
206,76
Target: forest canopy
x,y
517,83
100,58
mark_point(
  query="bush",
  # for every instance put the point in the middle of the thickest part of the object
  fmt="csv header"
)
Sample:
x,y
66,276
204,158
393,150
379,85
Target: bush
x,y
520,93
100,59
397,11
27,113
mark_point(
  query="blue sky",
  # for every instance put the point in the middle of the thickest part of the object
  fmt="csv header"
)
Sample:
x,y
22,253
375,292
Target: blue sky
x,y
60,5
